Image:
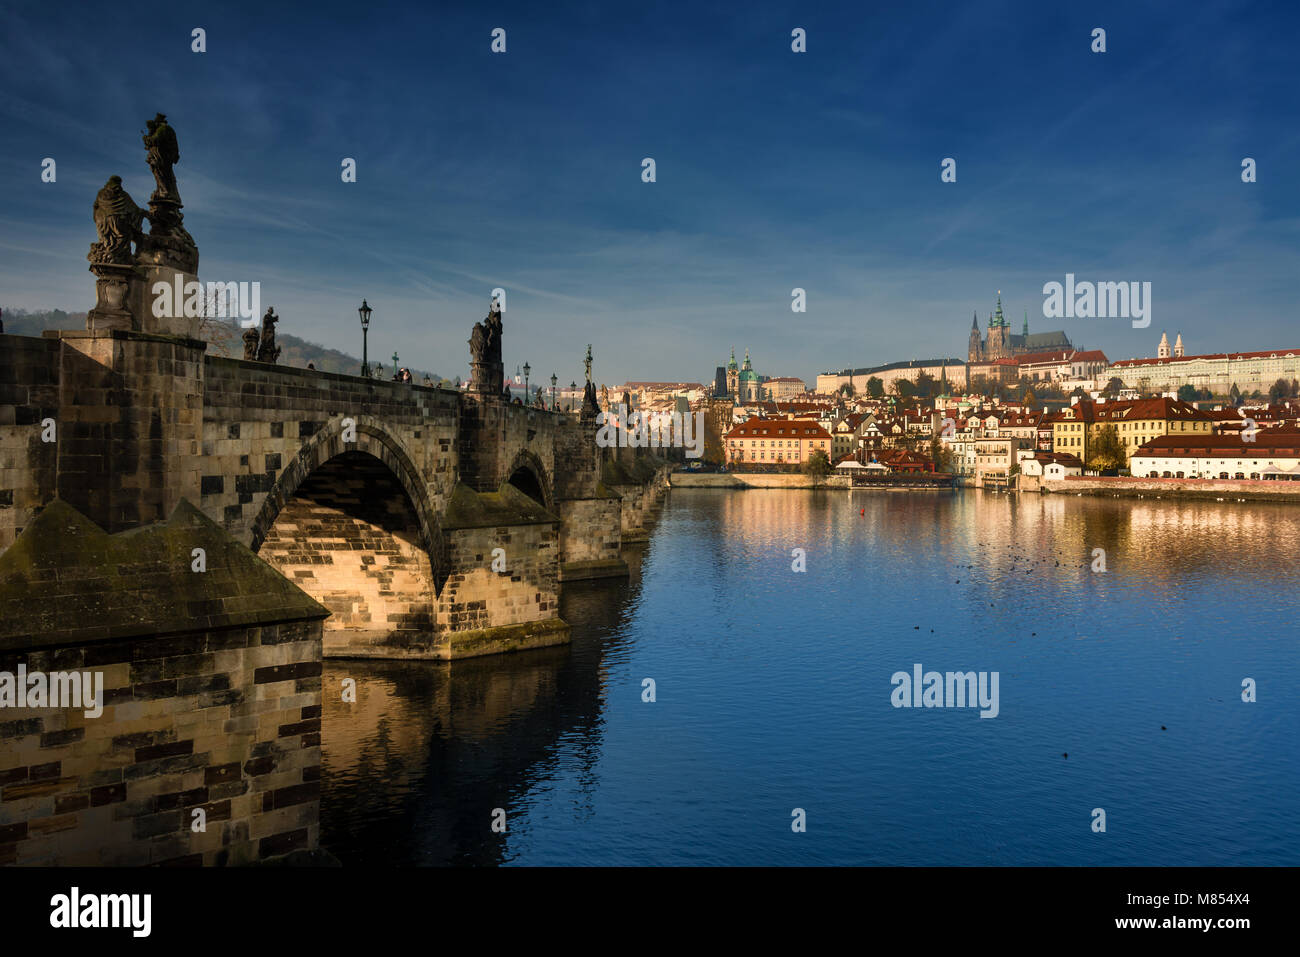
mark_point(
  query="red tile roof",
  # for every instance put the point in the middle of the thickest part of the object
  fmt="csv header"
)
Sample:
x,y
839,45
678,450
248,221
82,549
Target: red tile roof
x,y
778,428
1268,442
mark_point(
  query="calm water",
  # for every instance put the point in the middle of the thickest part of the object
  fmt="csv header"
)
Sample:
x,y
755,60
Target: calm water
x,y
774,690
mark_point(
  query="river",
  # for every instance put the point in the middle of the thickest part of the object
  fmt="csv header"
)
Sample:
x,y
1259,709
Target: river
x,y
773,693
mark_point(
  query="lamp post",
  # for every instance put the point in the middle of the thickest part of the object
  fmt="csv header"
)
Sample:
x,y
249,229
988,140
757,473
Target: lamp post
x,y
554,407
526,371
573,394
364,313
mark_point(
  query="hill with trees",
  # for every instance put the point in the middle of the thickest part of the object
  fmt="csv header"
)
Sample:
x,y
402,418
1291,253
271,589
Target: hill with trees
x,y
223,338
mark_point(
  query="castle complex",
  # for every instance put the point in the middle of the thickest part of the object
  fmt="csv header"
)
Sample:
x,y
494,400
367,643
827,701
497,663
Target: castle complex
x,y
1000,343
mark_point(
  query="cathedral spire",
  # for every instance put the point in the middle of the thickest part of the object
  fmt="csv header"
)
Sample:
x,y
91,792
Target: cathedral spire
x,y
1026,333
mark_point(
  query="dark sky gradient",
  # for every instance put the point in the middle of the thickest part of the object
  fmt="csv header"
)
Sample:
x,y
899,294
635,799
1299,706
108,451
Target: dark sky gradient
x,y
775,170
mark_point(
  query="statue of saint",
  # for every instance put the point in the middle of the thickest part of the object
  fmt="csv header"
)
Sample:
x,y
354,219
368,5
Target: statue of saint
x,y
117,220
163,154
267,350
251,338
494,331
587,362
478,343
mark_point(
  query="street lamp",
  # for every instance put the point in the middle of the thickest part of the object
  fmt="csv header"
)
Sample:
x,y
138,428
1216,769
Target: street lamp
x,y
573,392
364,313
526,371
554,379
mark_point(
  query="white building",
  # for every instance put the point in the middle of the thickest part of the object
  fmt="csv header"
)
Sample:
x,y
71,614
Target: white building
x,y
1273,455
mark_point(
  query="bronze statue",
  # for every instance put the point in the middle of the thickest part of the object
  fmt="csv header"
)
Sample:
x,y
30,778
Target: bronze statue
x,y
164,153
117,220
267,350
251,339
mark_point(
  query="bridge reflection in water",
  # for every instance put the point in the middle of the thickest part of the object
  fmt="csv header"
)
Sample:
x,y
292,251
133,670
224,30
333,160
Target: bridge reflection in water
x,y
413,770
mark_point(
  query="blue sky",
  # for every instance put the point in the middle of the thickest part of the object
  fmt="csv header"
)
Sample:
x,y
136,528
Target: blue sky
x,y
775,170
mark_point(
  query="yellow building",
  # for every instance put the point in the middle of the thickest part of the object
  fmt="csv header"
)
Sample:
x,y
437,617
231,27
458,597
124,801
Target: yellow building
x,y
1137,422
776,441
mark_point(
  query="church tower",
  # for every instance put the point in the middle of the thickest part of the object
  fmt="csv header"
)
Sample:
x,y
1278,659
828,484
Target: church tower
x,y
733,375
748,381
999,346
1178,347
1162,352
974,347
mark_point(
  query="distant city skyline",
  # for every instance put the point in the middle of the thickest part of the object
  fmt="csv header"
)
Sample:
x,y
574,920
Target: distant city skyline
x,y
775,170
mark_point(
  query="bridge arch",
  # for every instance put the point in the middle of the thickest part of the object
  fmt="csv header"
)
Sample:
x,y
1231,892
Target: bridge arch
x,y
528,474
351,524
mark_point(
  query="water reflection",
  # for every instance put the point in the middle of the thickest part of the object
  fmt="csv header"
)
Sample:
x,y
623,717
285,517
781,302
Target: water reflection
x,y
773,690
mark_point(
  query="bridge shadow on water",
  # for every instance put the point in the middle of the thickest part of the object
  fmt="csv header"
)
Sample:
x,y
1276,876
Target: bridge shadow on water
x,y
413,770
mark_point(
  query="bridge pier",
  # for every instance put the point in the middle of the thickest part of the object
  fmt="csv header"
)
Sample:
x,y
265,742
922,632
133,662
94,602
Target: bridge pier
x,y
129,424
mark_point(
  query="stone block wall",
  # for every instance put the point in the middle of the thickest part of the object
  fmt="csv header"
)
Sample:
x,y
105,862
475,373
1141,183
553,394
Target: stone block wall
x,y
29,394
494,434
131,411
258,419
208,668
476,597
582,458
127,409
351,540
224,721
590,530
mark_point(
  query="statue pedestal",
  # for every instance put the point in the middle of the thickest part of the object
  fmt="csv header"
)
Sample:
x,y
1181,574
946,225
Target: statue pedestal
x,y
163,312
167,242
487,378
113,307
166,254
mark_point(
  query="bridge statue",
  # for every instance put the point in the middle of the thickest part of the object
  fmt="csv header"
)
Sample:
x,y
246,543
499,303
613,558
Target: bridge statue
x,y
487,375
168,243
252,336
163,154
117,224
267,350
117,220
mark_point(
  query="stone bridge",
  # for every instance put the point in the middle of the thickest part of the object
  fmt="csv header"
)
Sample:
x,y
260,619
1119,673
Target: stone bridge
x,y
430,522
385,501
414,522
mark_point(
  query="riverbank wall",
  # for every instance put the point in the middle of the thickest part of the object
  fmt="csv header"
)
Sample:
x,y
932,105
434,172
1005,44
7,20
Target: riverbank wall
x,y
783,480
1213,490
